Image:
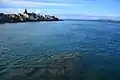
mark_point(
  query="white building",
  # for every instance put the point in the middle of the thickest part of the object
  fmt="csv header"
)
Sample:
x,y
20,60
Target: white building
x,y
30,16
33,16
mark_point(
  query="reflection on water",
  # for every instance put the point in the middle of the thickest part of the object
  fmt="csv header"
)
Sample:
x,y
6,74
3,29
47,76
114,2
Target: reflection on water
x,y
66,50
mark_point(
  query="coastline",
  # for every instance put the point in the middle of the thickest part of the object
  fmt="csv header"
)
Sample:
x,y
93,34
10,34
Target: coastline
x,y
26,17
29,21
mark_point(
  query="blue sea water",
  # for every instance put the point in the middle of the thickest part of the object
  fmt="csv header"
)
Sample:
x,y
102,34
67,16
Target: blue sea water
x,y
98,42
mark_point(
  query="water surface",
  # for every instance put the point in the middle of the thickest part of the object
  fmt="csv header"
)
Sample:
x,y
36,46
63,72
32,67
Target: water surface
x,y
97,42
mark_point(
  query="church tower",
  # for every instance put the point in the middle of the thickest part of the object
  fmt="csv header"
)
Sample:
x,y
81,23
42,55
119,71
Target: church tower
x,y
25,11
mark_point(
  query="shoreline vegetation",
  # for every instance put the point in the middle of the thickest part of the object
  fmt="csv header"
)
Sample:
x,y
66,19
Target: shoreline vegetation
x,y
26,17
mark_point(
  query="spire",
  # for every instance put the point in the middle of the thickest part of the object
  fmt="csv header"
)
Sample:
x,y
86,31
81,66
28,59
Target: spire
x,y
25,11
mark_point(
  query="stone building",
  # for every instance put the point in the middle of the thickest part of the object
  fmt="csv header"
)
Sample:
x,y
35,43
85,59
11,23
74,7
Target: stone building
x,y
31,16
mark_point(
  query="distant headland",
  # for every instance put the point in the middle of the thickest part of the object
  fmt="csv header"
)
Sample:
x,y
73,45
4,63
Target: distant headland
x,y
25,17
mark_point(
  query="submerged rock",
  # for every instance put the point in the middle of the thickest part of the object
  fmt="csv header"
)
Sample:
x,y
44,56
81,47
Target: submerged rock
x,y
53,67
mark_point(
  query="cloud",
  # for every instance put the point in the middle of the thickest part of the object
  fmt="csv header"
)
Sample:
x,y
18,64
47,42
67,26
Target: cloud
x,y
2,1
21,3
11,10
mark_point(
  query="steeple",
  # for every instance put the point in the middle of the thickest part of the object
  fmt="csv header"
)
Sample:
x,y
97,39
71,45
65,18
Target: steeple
x,y
25,11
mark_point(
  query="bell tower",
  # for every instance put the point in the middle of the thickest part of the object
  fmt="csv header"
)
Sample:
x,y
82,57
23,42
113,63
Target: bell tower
x,y
25,11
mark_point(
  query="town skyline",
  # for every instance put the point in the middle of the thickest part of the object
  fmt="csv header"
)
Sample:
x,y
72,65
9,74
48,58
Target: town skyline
x,y
61,8
26,17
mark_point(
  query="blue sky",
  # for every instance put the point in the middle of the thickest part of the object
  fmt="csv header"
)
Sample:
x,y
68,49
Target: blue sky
x,y
65,8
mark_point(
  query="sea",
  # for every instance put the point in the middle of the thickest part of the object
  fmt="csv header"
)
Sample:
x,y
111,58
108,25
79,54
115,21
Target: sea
x,y
98,42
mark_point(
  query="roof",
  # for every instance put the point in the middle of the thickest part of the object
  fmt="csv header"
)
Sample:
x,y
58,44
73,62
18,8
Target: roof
x,y
31,13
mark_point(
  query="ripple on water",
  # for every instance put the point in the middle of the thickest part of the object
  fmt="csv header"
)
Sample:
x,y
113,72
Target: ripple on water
x,y
35,67
25,50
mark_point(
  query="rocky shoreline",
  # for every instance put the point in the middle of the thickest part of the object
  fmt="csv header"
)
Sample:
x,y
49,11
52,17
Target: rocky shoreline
x,y
25,17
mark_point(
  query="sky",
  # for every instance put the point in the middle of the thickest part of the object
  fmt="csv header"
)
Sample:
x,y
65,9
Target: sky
x,y
65,8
